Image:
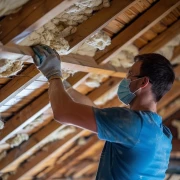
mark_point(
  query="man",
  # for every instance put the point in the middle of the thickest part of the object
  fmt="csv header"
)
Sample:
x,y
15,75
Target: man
x,y
137,144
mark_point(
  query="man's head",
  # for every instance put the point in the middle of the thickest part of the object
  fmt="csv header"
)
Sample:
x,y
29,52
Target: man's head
x,y
154,69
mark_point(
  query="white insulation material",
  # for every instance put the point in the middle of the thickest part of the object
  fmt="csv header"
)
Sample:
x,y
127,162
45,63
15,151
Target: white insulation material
x,y
176,123
9,67
3,155
37,122
1,124
17,140
62,133
125,58
54,32
94,80
168,49
100,40
10,6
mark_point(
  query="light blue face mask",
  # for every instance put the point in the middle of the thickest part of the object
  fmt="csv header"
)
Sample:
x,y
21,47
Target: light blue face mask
x,y
124,93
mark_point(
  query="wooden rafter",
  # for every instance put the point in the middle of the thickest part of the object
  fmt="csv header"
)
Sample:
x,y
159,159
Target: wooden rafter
x,y
147,20
32,16
97,22
17,155
25,116
18,83
162,39
54,149
129,34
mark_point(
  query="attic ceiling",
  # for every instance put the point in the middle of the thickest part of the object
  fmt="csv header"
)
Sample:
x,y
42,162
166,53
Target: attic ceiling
x,y
33,145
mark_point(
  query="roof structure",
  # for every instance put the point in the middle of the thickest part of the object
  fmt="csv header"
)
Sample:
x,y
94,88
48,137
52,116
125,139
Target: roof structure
x,y
33,145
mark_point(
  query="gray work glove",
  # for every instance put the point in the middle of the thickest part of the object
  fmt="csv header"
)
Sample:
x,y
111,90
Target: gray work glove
x,y
47,60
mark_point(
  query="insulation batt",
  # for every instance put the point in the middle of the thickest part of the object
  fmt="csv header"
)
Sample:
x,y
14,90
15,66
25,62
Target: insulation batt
x,y
17,140
125,58
10,6
168,49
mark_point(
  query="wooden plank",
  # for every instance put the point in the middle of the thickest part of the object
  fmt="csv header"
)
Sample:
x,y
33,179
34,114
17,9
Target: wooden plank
x,y
33,15
98,22
18,83
137,28
162,39
25,116
56,147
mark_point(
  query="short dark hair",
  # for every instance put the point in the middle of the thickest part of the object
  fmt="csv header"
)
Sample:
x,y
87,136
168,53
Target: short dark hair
x,y
159,71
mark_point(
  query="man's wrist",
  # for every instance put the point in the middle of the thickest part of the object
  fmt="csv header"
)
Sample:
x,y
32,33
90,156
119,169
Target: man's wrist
x,y
56,76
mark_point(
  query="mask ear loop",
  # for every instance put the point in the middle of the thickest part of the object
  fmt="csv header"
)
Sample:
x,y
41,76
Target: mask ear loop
x,y
140,87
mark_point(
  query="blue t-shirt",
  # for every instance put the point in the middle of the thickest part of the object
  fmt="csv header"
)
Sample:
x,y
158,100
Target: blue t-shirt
x,y
137,144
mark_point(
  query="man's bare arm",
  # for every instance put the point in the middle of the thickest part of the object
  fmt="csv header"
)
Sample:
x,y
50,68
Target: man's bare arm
x,y
76,96
67,111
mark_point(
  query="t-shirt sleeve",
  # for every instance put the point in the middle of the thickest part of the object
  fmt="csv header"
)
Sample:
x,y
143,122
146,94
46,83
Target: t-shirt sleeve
x,y
118,125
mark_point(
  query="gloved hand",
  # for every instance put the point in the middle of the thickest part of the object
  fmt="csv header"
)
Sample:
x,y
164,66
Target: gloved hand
x,y
47,61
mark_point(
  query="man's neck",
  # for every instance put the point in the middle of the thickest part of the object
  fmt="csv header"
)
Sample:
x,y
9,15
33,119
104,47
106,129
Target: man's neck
x,y
143,105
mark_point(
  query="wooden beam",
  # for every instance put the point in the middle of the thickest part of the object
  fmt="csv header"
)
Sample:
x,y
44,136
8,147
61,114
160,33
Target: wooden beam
x,y
170,96
162,39
147,20
177,71
72,62
22,152
55,149
176,145
104,88
94,149
129,34
18,83
25,116
97,22
32,16
61,163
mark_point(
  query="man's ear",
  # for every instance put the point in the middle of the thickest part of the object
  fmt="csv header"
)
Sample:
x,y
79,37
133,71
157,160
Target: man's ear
x,y
145,82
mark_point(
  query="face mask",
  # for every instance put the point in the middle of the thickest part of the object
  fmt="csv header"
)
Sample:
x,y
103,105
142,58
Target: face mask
x,y
124,93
